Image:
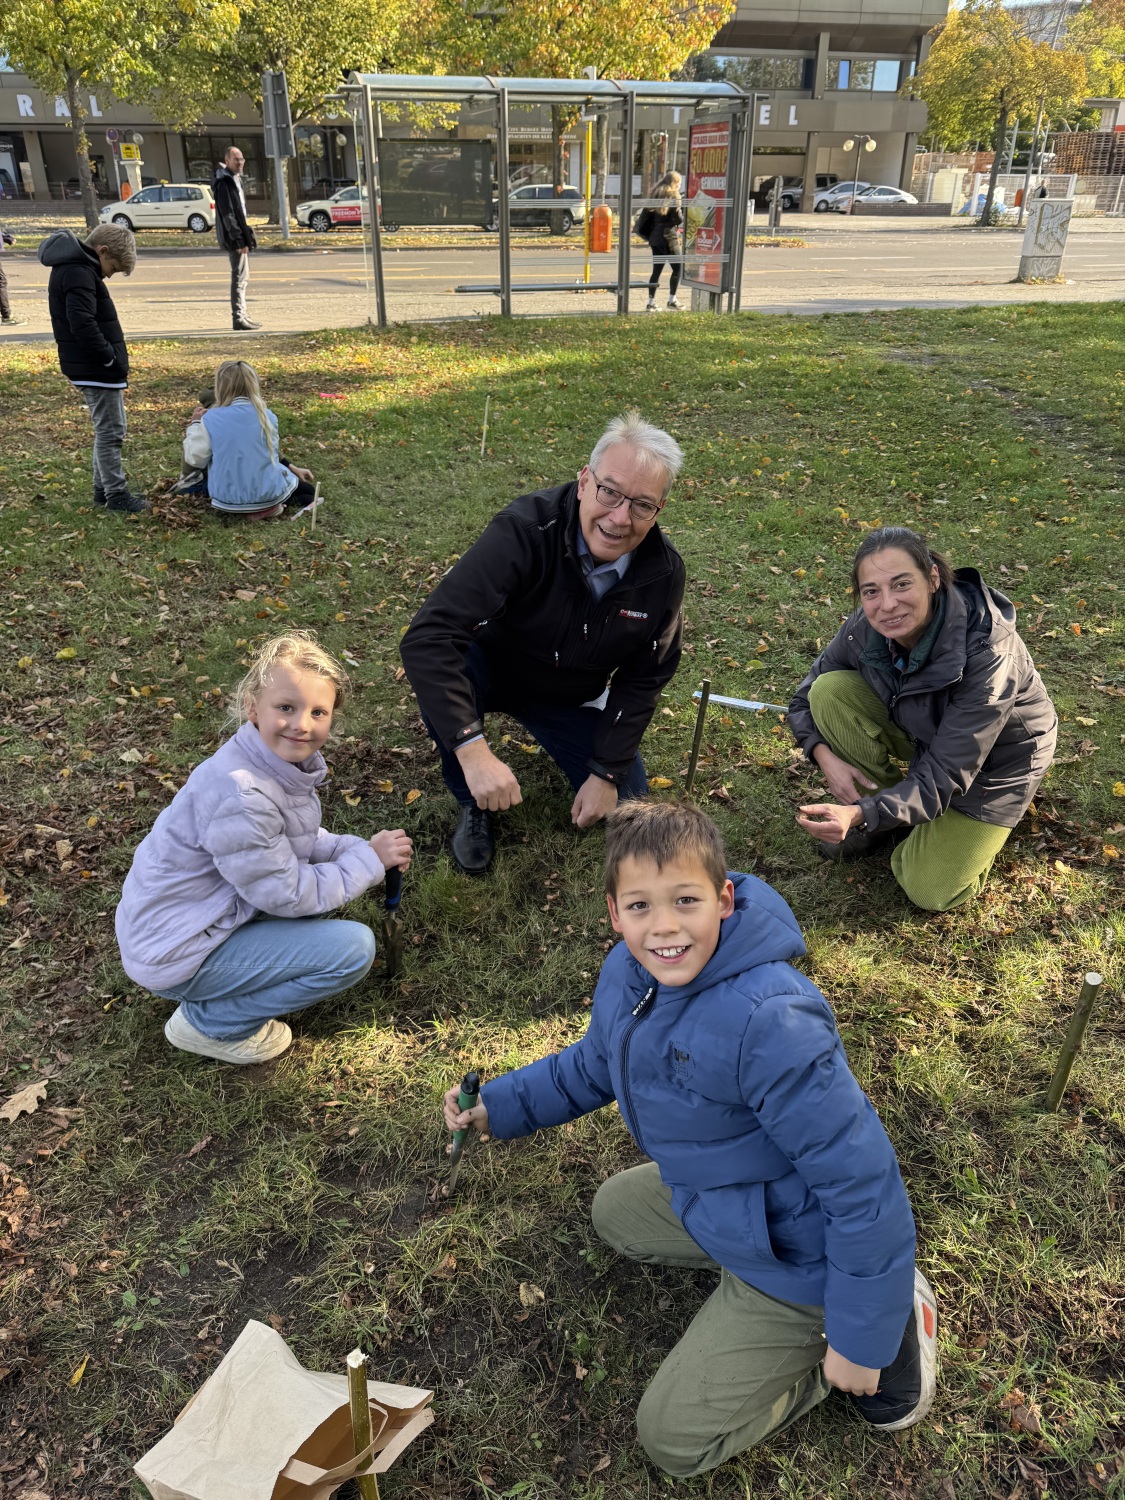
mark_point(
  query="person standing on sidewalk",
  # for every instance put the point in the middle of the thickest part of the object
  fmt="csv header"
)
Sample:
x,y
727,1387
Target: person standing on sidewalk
x,y
666,238
5,305
234,234
91,344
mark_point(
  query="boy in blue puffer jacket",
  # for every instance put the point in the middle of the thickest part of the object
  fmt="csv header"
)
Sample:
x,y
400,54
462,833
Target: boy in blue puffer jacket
x,y
769,1163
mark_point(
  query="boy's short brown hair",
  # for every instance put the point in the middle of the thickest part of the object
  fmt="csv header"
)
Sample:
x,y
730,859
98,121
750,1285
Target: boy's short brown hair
x,y
662,831
119,241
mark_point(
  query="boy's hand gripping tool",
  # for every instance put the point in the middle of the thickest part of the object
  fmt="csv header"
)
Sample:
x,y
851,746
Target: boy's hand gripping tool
x,y
468,1097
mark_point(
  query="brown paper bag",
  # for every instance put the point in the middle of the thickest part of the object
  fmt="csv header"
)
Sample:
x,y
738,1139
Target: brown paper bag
x,y
263,1428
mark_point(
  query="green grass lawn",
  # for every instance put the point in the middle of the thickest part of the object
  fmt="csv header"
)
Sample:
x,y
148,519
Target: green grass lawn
x,y
155,1201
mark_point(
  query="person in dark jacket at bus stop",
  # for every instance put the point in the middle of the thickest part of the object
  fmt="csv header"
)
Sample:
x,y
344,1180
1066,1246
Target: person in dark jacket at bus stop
x,y
91,344
929,671
566,614
234,233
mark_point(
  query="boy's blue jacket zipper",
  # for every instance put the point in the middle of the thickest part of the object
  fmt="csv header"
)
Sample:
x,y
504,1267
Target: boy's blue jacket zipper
x,y
738,1088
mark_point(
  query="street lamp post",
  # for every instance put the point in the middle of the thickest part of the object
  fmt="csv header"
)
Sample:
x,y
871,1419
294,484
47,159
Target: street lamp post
x,y
858,144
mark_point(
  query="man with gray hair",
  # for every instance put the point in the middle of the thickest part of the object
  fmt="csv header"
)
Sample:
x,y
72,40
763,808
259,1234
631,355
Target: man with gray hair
x,y
565,614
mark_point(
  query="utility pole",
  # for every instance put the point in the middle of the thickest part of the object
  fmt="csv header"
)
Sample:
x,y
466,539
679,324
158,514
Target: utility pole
x,y
279,137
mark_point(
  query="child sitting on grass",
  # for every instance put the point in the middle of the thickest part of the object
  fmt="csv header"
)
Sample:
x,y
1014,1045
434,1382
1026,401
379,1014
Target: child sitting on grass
x,y
768,1165
235,440
220,908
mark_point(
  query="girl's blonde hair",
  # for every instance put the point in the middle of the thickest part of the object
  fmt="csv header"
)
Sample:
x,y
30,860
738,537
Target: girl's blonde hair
x,y
298,649
235,379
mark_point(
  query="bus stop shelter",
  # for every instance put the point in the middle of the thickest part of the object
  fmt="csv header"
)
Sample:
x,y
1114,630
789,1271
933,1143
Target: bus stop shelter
x,y
471,174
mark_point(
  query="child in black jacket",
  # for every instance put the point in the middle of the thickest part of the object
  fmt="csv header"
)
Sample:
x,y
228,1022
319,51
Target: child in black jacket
x,y
91,344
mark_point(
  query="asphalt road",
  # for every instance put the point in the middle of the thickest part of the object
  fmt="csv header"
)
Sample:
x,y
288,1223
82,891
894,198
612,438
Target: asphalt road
x,y
844,268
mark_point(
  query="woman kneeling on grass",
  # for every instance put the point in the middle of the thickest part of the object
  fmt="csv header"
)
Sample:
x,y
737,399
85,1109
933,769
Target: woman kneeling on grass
x,y
219,911
929,670
235,441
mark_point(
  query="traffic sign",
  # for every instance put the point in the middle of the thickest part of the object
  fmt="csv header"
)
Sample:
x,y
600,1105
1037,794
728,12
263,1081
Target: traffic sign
x,y
111,135
130,153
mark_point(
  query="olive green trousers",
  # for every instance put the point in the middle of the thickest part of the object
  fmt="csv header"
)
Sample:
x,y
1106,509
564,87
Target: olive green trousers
x,y
940,864
748,1364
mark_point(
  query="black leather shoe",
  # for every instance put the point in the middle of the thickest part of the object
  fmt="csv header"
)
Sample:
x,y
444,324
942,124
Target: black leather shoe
x,y
246,326
473,841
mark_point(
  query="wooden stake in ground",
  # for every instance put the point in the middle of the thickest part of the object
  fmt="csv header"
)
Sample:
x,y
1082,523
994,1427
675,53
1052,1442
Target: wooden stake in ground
x,y
1077,1030
484,431
361,1419
704,699
315,506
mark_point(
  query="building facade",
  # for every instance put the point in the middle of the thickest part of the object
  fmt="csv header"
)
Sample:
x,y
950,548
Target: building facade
x,y
833,70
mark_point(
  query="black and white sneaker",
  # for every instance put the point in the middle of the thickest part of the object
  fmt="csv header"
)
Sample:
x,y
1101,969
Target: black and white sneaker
x,y
907,1386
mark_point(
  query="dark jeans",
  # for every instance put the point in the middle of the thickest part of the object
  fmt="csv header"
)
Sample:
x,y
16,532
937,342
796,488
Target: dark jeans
x,y
567,734
5,305
675,266
107,410
239,279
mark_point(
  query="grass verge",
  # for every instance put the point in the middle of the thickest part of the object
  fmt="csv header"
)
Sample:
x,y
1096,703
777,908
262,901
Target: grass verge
x,y
153,1201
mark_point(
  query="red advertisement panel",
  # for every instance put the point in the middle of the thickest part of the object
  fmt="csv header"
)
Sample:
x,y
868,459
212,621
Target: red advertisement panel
x,y
705,209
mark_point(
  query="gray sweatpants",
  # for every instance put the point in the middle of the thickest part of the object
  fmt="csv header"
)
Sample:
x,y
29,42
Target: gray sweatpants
x,y
107,409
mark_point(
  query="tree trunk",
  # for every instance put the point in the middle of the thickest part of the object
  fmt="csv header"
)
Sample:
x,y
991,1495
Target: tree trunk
x,y
601,155
558,136
997,152
82,151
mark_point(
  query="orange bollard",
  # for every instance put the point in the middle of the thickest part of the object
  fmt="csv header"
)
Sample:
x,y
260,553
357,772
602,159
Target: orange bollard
x,y
601,229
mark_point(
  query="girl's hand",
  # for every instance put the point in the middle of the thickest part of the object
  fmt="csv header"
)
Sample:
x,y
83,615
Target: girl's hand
x,y
393,846
842,778
457,1118
857,1380
827,822
197,414
305,474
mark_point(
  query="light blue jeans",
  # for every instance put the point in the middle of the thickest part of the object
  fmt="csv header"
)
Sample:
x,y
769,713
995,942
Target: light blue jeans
x,y
272,967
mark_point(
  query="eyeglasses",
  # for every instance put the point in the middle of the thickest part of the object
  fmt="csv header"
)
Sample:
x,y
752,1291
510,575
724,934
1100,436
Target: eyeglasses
x,y
610,498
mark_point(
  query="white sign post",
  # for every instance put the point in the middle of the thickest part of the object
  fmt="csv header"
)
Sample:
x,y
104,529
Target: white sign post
x,y
1044,239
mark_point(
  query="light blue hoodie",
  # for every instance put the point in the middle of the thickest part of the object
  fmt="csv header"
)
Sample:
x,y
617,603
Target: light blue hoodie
x,y
241,836
244,474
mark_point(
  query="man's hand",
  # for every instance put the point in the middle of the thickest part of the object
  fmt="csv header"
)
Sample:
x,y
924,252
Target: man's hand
x,y
457,1118
492,782
244,250
842,779
827,822
595,798
305,474
857,1380
394,848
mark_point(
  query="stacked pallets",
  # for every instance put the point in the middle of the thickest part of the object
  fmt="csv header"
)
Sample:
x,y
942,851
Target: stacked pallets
x,y
1093,153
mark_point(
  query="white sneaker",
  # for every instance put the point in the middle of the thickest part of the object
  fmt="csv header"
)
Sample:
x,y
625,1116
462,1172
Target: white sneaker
x,y
651,305
673,305
270,1040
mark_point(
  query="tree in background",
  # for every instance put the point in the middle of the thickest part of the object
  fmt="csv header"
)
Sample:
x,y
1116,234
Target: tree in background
x,y
982,69
72,48
1098,32
558,38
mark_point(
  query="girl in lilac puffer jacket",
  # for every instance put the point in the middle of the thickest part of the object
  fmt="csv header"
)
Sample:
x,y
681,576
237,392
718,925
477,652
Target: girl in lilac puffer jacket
x,y
220,909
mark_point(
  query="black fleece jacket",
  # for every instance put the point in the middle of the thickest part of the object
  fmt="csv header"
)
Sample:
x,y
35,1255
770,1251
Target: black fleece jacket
x,y
520,593
87,330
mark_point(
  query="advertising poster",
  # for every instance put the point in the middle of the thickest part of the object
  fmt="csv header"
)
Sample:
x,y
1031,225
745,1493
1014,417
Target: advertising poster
x,y
705,208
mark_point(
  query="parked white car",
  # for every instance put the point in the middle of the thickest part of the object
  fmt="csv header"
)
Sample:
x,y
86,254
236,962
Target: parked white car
x,y
828,199
172,205
321,214
874,195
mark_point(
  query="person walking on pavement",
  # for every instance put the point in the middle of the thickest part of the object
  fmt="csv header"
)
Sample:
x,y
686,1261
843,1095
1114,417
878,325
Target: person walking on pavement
x,y
91,344
666,239
234,234
566,614
5,305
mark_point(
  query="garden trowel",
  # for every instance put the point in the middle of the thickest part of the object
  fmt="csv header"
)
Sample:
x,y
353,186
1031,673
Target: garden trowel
x,y
392,923
466,1099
